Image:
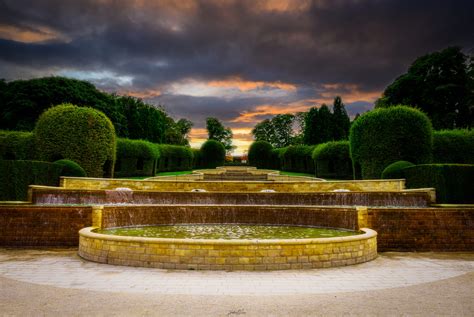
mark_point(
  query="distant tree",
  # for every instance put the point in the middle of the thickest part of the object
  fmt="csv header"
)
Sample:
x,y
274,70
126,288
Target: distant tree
x,y
264,131
318,126
441,84
310,135
340,119
217,131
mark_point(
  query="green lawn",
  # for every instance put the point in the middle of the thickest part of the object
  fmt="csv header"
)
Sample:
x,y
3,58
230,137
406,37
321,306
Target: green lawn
x,y
296,174
174,173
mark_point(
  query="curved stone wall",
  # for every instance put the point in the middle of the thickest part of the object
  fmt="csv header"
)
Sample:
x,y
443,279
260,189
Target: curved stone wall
x,y
213,254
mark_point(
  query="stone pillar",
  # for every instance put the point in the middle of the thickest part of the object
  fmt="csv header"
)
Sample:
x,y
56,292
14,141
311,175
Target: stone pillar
x,y
362,217
97,216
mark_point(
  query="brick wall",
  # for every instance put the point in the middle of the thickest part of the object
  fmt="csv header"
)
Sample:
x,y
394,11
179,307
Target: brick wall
x,y
42,225
426,229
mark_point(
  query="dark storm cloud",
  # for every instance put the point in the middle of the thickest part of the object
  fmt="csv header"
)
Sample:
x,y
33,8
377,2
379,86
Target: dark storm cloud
x,y
362,44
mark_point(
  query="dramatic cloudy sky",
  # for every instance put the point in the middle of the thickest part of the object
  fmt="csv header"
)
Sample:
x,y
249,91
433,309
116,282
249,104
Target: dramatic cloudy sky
x,y
240,61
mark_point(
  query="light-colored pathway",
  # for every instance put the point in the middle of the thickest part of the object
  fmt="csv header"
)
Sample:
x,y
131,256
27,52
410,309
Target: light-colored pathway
x,y
58,283
64,269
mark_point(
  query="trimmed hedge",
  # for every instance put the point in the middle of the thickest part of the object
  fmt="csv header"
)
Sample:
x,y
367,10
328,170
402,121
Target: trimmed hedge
x,y
81,134
16,176
17,145
297,158
454,183
453,146
197,158
174,158
395,170
136,158
213,154
71,168
275,161
386,135
332,160
260,154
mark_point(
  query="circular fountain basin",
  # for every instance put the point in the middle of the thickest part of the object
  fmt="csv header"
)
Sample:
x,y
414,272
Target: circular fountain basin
x,y
228,254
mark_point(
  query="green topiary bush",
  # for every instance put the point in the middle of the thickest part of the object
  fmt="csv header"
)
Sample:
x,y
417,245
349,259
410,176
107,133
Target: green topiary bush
x,y
260,154
453,146
17,145
454,183
174,158
136,158
213,154
383,136
395,170
71,168
16,176
81,134
332,160
297,158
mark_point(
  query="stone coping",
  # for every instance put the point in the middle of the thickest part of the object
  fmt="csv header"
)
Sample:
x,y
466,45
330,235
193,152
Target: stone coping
x,y
88,233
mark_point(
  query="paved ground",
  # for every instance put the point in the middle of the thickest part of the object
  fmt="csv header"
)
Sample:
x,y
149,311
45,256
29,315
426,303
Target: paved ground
x,y
57,282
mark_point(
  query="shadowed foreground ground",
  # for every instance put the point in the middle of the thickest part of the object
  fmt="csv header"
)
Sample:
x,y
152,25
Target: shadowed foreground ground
x,y
41,282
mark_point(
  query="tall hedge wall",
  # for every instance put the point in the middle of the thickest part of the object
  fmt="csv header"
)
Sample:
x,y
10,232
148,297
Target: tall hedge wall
x,y
136,158
174,158
213,154
17,145
81,134
297,158
386,135
15,176
197,158
260,154
453,146
275,162
333,160
454,183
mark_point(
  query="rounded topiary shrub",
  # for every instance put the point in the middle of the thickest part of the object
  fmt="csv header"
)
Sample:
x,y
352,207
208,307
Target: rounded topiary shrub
x,y
332,160
213,154
81,134
71,168
260,154
386,135
394,170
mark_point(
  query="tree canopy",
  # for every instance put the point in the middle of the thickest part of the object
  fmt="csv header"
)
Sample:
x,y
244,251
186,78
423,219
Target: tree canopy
x,y
23,101
441,84
277,131
217,131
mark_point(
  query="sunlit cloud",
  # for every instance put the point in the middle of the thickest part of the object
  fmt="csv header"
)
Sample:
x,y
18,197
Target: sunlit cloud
x,y
348,92
31,34
246,85
233,87
97,76
261,111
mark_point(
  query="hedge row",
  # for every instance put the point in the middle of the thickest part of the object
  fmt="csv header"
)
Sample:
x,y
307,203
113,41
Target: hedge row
x,y
136,158
297,158
174,158
17,145
383,136
453,182
16,176
453,146
332,160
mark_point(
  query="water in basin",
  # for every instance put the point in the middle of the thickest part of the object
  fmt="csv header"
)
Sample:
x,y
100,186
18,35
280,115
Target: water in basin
x,y
227,231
